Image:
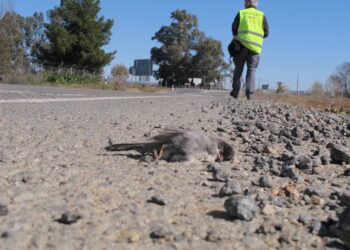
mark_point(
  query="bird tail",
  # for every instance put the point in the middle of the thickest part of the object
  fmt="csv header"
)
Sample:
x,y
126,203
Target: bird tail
x,y
125,147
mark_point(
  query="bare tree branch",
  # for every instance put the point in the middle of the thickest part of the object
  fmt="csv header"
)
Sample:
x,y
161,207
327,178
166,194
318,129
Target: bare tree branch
x,y
339,83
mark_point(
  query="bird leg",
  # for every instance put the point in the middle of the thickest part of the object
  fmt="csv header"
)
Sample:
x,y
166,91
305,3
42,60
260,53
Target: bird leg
x,y
220,157
158,155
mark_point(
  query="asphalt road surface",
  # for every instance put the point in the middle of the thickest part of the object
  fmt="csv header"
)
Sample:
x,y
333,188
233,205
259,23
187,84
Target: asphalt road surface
x,y
42,94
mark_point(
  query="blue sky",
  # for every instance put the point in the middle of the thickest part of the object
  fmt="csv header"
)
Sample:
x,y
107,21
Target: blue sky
x,y
310,38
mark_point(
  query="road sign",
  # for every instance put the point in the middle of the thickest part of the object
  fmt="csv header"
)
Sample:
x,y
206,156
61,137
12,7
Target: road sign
x,y
265,86
143,67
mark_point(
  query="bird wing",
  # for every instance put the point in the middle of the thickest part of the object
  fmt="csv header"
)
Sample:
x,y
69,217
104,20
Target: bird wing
x,y
147,147
164,138
167,135
125,146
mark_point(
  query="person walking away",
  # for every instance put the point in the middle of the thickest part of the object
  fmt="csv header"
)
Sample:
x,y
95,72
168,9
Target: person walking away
x,y
249,28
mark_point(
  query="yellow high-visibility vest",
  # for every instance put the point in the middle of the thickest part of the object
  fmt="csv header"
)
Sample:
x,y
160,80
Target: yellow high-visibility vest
x,y
250,31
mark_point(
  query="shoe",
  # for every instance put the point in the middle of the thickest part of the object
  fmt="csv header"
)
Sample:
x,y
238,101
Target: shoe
x,y
234,95
249,95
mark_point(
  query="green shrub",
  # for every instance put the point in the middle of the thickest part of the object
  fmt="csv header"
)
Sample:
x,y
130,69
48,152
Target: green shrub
x,y
69,79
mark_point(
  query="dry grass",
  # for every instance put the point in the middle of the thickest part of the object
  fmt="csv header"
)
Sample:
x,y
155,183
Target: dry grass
x,y
319,102
135,87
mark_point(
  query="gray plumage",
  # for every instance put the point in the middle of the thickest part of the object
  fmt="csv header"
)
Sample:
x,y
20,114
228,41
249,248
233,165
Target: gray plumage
x,y
175,145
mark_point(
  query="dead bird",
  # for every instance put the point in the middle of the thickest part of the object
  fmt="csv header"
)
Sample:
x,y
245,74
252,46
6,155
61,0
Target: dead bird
x,y
176,145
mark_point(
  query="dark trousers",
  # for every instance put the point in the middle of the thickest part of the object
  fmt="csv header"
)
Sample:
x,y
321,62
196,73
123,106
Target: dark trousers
x,y
250,58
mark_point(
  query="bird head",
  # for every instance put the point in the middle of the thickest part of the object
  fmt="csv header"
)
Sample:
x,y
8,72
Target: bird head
x,y
226,151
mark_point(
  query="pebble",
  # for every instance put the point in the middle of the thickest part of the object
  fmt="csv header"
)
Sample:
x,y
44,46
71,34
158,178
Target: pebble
x,y
231,187
275,167
290,171
133,237
340,154
221,129
69,218
213,236
315,190
2,158
160,232
262,197
344,226
204,109
265,181
289,146
276,191
305,164
316,200
242,208
4,235
317,162
326,159
305,219
158,199
320,170
292,192
268,209
221,175
261,162
3,209
213,167
345,198
347,172
252,242
318,229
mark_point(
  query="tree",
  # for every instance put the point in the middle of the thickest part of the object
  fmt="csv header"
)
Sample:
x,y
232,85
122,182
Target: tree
x,y
208,61
317,89
185,52
282,88
12,37
339,83
120,72
75,35
34,33
5,40
174,55
18,34
5,51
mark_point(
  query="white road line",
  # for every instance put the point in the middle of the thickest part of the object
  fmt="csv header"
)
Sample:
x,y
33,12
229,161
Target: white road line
x,y
31,92
84,99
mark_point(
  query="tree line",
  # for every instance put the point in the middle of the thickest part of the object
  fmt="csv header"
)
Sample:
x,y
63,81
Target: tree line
x,y
74,34
337,84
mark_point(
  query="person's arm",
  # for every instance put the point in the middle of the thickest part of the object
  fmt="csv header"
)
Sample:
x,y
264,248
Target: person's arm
x,y
266,27
235,25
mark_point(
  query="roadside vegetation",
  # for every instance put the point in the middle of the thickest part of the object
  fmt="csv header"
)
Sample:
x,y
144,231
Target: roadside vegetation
x,y
321,102
121,86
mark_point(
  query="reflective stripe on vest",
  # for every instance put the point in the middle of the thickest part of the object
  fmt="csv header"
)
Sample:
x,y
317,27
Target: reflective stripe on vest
x,y
250,31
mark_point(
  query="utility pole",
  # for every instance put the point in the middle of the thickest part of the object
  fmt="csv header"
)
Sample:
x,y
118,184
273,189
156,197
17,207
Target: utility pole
x,y
297,84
